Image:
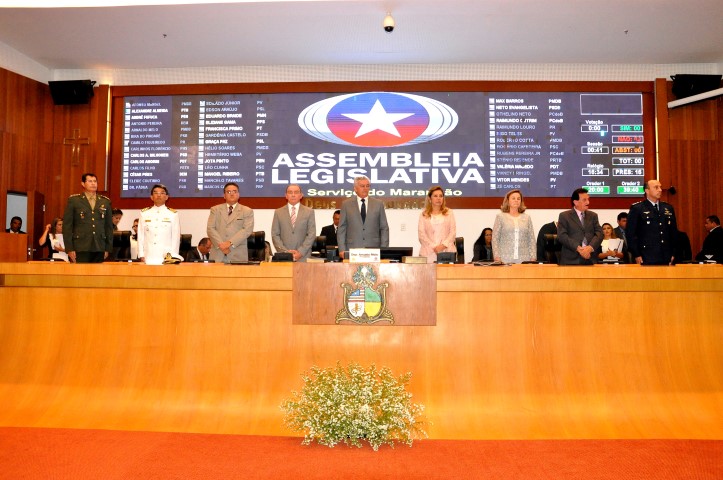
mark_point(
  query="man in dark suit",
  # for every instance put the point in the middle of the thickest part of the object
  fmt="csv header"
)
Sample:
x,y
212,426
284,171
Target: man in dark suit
x,y
620,233
88,224
547,229
579,231
330,230
229,226
713,243
293,228
652,230
200,252
16,223
363,222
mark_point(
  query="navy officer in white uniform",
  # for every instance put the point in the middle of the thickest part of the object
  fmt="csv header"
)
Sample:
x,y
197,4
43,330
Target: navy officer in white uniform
x,y
159,230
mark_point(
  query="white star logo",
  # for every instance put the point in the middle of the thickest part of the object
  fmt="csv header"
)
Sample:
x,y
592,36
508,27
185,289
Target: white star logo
x,y
377,119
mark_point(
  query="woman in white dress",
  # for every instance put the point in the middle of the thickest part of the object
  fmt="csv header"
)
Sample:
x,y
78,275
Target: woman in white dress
x,y
612,248
513,237
437,228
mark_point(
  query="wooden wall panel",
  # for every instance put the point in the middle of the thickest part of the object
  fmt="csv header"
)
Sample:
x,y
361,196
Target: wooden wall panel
x,y
696,154
32,154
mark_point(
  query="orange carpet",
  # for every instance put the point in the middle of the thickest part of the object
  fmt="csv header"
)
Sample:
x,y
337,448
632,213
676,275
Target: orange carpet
x,y
58,454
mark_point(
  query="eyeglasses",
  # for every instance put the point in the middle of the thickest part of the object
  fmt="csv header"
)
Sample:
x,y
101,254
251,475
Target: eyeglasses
x,y
231,191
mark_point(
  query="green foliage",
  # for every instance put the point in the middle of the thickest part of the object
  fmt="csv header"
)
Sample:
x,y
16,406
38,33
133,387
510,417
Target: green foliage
x,y
352,404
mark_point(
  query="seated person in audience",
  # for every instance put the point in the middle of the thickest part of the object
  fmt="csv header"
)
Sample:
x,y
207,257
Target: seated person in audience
x,y
612,248
201,251
16,223
713,243
52,238
117,215
483,247
547,229
330,230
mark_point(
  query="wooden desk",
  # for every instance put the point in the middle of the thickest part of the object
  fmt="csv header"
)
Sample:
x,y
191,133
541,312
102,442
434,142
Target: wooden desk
x,y
530,351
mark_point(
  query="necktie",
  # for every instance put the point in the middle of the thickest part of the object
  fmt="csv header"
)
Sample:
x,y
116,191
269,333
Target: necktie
x,y
230,209
657,210
91,200
364,210
582,220
293,216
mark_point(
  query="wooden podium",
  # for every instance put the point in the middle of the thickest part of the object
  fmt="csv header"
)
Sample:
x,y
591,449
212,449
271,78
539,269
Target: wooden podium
x,y
364,294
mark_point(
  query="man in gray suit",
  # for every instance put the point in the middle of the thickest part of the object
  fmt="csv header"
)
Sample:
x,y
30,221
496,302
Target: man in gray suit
x,y
293,228
363,222
579,231
229,226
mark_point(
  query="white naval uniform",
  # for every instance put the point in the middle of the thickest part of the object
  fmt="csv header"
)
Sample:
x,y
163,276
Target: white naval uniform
x,y
159,233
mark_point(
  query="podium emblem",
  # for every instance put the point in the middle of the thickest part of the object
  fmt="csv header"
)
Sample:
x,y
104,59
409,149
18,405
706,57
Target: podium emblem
x,y
364,301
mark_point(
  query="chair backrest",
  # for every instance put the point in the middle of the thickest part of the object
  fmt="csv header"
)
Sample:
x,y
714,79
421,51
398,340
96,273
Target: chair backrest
x,y
459,243
552,248
186,244
256,244
318,249
122,245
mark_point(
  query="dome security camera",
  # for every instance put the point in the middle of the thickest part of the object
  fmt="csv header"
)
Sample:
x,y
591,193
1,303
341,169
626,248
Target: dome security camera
x,y
388,23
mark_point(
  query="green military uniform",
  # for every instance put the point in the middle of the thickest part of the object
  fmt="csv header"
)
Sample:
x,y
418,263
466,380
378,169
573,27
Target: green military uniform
x,y
86,229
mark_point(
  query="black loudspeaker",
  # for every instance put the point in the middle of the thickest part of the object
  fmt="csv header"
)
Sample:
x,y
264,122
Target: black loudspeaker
x,y
688,85
71,92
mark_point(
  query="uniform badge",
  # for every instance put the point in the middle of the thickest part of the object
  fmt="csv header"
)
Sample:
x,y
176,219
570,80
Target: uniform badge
x,y
365,303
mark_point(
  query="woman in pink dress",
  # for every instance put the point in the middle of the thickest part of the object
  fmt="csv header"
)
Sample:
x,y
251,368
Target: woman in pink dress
x,y
437,229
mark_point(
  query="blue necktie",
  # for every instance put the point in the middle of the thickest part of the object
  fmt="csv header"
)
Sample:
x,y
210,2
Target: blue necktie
x,y
364,210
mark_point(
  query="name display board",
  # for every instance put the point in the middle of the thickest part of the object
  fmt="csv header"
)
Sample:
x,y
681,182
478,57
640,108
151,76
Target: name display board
x,y
475,144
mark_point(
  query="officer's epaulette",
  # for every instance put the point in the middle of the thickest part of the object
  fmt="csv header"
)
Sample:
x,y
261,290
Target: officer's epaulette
x,y
172,209
76,195
103,196
144,209
636,203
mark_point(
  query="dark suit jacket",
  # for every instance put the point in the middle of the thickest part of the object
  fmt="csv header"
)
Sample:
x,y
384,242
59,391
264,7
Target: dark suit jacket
x,y
330,235
652,234
193,254
570,233
712,245
352,233
86,230
7,230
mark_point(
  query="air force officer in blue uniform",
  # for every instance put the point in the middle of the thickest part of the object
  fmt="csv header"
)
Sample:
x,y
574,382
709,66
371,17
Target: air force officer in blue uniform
x,y
652,228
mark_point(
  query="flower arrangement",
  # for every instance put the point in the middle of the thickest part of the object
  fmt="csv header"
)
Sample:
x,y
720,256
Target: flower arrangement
x,y
352,404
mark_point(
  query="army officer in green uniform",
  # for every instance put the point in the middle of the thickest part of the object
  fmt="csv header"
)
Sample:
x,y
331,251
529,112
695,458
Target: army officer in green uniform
x,y
88,224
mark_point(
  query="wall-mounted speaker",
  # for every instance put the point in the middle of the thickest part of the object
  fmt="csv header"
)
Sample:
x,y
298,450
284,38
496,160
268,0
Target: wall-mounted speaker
x,y
687,85
71,92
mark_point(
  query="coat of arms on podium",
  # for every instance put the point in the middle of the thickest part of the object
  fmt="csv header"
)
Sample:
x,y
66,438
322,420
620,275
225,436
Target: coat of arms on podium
x,y
365,303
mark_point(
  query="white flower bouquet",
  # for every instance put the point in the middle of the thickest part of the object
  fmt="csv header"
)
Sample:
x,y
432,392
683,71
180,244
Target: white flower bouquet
x,y
352,404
